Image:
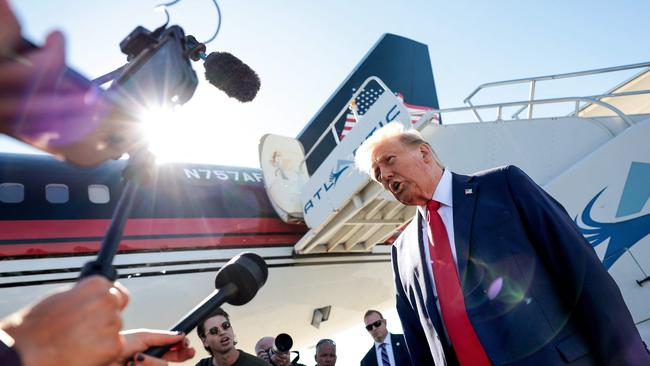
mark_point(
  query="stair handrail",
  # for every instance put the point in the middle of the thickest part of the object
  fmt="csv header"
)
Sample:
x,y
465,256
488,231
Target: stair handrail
x,y
533,82
595,99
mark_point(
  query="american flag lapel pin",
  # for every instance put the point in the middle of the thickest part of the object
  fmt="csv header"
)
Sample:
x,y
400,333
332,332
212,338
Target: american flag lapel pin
x,y
468,191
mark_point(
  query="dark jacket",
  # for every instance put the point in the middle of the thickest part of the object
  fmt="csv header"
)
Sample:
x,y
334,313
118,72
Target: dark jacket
x,y
8,356
399,351
556,303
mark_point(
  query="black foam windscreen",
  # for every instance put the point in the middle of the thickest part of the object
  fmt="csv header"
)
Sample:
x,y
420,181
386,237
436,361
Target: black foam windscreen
x,y
230,74
248,272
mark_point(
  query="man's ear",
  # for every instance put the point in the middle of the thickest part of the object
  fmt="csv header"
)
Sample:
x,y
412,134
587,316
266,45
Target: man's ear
x,y
425,153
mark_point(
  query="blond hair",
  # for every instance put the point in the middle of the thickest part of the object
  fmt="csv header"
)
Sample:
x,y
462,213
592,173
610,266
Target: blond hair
x,y
408,137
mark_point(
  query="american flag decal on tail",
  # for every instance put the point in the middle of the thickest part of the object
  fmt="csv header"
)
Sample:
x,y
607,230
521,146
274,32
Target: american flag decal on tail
x,y
365,100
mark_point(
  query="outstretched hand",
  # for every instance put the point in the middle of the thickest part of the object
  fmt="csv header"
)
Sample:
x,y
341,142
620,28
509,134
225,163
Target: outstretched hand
x,y
74,327
139,340
44,105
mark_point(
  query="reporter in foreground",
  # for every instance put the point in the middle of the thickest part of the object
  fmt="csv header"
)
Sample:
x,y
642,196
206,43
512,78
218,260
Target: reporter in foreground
x,y
43,104
81,326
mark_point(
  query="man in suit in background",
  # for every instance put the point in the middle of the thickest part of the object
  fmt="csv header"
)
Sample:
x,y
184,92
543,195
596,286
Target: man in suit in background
x,y
492,270
389,349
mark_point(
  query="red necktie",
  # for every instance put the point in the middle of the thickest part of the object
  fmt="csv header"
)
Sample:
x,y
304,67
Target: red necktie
x,y
467,346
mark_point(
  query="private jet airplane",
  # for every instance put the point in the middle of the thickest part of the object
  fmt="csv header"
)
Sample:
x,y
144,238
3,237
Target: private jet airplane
x,y
323,228
190,220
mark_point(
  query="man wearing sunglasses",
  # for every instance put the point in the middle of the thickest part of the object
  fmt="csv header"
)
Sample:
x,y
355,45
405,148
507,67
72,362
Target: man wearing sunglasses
x,y
389,349
218,339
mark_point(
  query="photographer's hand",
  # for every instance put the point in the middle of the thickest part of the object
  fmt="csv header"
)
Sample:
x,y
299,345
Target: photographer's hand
x,y
264,355
29,78
10,30
45,104
280,359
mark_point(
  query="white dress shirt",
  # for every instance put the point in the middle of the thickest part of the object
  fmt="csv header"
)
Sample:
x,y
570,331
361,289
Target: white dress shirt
x,y
389,350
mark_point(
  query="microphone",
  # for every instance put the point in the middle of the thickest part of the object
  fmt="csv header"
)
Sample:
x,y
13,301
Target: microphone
x,y
248,272
231,75
236,283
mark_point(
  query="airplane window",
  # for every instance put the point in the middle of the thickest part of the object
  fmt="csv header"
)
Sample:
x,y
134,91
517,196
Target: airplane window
x,y
98,193
12,192
56,193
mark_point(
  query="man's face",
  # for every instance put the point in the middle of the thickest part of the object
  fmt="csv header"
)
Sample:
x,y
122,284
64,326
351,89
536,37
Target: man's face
x,y
219,335
406,171
377,333
326,355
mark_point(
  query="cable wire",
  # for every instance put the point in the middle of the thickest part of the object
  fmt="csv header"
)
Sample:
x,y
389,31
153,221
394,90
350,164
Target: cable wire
x,y
164,7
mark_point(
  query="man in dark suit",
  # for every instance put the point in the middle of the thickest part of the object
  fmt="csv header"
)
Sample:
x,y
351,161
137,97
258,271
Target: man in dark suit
x,y
492,270
389,349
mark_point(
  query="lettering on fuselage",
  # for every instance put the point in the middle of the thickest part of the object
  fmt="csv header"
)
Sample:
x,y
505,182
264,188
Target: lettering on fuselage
x,y
345,164
225,175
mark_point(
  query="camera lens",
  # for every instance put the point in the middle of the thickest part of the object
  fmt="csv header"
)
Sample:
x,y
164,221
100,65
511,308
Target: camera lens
x,y
283,343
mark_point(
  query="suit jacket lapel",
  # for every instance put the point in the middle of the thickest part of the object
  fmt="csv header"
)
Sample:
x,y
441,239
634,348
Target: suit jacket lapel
x,y
373,360
464,194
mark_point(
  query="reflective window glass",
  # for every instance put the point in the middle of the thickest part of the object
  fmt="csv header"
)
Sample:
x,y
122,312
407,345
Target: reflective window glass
x,y
12,192
98,193
57,193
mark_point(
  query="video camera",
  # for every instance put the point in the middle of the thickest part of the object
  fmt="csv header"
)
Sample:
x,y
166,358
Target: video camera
x,y
158,74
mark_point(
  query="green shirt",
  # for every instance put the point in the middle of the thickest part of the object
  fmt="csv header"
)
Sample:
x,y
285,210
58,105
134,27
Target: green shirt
x,y
244,359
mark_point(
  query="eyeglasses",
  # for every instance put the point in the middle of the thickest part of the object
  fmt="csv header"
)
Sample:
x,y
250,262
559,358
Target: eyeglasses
x,y
224,327
376,324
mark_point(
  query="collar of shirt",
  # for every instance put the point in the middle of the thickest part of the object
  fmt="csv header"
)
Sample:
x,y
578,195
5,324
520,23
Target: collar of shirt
x,y
442,193
386,340
6,339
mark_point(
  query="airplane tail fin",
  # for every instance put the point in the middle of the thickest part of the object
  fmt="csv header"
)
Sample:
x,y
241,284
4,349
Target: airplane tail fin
x,y
400,65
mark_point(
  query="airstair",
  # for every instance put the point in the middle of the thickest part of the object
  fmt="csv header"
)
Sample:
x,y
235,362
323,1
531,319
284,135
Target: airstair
x,y
347,212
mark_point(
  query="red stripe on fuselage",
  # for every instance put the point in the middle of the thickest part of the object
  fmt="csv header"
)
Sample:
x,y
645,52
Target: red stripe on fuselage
x,y
43,229
17,250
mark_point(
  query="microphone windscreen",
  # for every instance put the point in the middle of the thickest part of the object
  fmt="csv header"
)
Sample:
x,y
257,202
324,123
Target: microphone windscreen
x,y
231,75
248,272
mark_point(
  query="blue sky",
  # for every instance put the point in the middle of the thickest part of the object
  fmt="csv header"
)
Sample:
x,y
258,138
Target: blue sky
x,y
302,50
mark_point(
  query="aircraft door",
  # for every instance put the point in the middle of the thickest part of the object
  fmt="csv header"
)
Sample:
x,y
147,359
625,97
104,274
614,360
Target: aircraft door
x,y
282,162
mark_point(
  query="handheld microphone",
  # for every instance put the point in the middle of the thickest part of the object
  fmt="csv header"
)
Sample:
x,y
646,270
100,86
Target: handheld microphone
x,y
236,283
232,76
